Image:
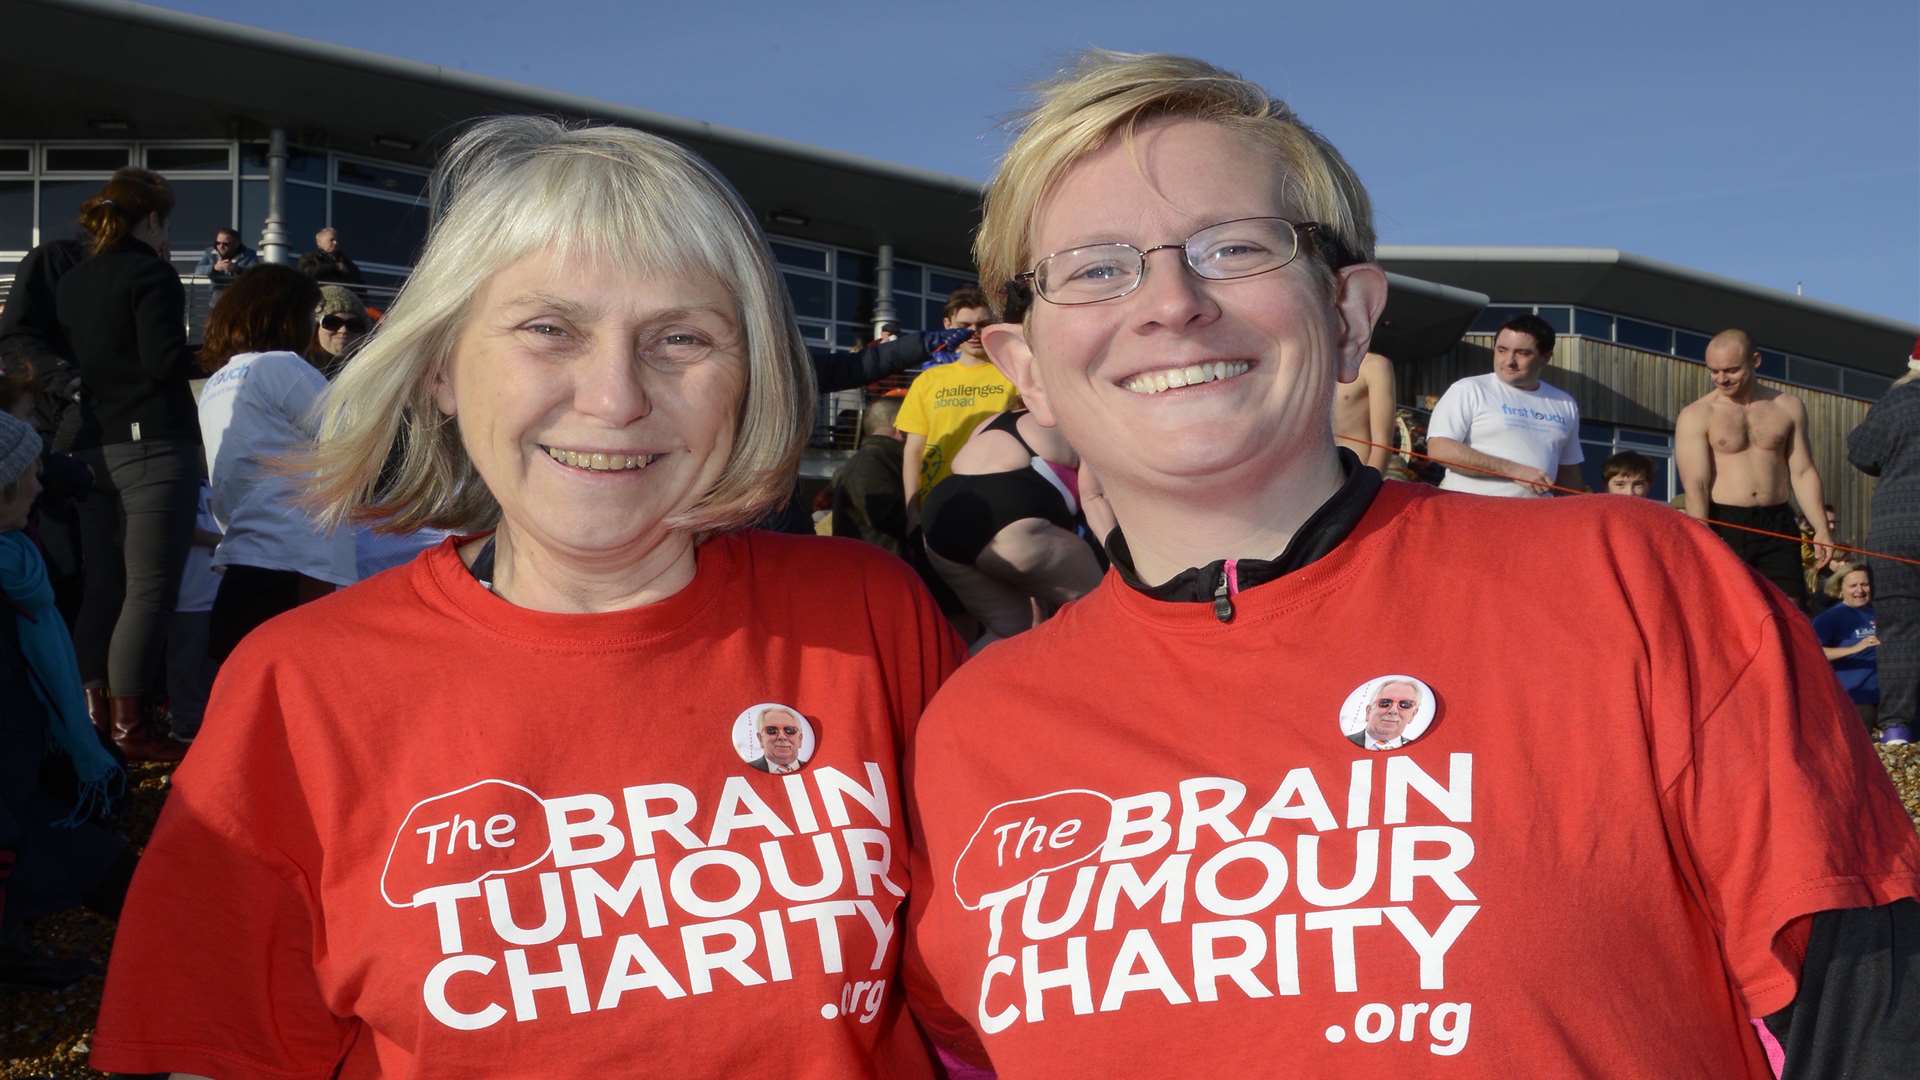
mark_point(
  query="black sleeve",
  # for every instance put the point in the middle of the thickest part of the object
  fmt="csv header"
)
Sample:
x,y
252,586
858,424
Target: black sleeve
x,y
1857,1014
160,323
30,323
850,371
874,501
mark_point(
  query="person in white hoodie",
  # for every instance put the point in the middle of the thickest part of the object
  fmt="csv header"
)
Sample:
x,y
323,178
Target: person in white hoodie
x,y
257,412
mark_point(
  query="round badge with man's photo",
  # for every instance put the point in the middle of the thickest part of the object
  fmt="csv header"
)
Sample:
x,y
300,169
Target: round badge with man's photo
x,y
774,738
1387,712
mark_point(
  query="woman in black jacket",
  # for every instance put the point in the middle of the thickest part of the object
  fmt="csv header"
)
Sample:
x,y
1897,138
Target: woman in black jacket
x,y
1886,445
124,314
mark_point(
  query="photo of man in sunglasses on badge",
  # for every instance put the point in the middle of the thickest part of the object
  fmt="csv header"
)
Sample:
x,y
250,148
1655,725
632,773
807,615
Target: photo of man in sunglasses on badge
x,y
339,325
784,737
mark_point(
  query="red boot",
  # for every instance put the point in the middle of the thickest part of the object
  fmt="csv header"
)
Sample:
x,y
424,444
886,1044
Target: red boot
x,y
98,710
136,734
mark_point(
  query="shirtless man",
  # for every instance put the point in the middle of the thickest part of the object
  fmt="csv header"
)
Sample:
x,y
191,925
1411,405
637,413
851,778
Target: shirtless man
x,y
1363,412
1740,450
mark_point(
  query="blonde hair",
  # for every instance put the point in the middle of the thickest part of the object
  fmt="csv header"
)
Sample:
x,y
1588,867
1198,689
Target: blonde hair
x,y
1108,93
508,188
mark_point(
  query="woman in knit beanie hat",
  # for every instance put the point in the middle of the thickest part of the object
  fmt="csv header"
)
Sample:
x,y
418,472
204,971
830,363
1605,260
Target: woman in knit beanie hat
x,y
338,325
42,634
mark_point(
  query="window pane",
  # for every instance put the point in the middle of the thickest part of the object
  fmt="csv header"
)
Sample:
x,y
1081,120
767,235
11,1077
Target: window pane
x,y
1560,318
1493,316
854,266
86,158
16,215
849,336
1642,335
1865,385
301,164
853,303
1662,487
906,310
907,277
1594,455
15,159
942,284
1691,346
934,314
805,258
200,209
812,297
1642,440
379,230
1772,364
1593,324
171,159
60,207
381,178
814,333
306,214
1813,373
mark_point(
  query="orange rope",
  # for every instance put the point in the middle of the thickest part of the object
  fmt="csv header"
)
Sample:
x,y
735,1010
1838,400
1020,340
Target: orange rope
x,y
1570,491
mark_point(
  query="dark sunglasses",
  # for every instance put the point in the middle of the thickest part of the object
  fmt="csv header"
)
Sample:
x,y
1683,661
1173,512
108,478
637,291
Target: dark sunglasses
x,y
776,729
1388,703
335,323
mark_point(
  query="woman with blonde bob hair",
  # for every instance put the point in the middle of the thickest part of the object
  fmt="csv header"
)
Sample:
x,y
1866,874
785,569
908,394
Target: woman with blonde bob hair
x,y
484,814
1149,846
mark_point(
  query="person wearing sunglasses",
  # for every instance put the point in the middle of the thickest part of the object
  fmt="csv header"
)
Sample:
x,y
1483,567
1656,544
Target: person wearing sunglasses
x,y
781,744
1640,813
1393,707
339,323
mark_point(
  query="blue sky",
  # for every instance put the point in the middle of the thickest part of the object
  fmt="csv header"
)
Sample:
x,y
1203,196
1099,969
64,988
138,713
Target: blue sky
x,y
1771,142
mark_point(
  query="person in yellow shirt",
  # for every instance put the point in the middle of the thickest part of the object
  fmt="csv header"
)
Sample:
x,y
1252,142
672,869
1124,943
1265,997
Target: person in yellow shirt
x,y
946,403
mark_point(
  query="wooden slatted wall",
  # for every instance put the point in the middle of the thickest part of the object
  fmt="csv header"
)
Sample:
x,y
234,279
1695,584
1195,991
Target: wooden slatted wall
x,y
1617,384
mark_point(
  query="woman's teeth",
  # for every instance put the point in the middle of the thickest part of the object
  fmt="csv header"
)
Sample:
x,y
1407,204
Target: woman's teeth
x,y
1153,382
600,462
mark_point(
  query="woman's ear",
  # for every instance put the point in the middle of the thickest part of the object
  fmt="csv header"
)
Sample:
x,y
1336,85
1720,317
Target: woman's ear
x,y
1360,295
1006,345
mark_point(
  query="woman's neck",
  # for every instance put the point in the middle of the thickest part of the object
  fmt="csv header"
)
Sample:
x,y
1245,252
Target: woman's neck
x,y
528,575
1169,530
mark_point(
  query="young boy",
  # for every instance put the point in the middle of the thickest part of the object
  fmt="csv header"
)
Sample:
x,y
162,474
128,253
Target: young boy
x,y
1628,473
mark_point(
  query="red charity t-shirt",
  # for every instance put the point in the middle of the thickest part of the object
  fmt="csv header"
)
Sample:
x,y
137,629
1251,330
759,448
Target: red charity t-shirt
x,y
426,833
1150,846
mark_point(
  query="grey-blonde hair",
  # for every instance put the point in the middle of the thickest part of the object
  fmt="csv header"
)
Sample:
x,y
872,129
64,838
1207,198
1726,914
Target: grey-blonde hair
x,y
507,188
1109,93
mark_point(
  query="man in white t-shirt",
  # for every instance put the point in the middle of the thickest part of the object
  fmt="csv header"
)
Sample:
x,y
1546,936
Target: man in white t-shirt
x,y
1508,433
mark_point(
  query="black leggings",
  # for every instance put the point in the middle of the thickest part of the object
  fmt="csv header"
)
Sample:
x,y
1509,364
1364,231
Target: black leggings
x,y
136,528
249,596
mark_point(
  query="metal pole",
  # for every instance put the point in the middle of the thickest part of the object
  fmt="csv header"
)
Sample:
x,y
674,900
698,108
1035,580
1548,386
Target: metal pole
x,y
883,312
273,236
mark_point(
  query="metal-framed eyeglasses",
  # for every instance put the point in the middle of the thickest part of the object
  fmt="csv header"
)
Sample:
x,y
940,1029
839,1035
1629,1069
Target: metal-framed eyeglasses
x,y
1240,248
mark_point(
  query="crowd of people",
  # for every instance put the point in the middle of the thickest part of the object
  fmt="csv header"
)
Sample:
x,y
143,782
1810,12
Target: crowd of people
x,y
1147,728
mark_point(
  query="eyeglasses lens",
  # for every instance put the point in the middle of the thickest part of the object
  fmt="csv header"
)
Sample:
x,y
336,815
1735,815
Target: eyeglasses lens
x,y
1231,249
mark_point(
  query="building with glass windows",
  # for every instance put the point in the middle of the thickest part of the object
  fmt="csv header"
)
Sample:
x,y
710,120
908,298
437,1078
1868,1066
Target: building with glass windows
x,y
243,121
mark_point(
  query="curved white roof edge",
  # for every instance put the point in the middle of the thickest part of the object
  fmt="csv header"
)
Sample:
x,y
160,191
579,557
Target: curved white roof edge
x,y
1520,253
348,56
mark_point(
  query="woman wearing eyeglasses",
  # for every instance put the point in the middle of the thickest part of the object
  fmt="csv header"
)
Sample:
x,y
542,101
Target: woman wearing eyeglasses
x,y
338,325
257,410
1589,828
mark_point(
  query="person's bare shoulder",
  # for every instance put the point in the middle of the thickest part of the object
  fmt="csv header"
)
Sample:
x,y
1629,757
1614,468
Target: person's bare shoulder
x,y
989,451
1375,369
